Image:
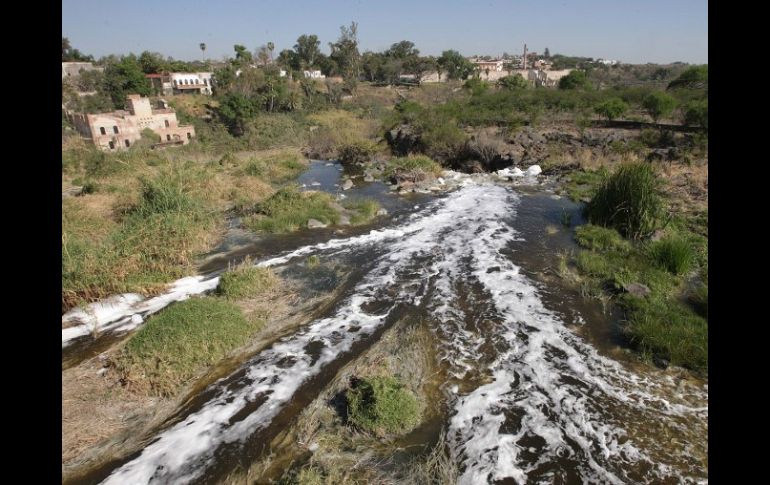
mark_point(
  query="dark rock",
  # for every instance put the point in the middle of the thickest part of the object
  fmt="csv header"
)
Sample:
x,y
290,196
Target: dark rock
x,y
402,140
660,362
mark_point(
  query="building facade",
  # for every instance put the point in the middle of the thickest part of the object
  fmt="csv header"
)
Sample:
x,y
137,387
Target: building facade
x,y
494,65
121,129
171,83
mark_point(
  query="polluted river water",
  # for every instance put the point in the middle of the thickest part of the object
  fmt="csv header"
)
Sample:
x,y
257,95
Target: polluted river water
x,y
538,388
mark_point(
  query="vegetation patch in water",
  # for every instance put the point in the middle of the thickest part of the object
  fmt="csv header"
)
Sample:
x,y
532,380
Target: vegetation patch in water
x,y
416,164
182,340
364,210
289,209
659,322
246,282
383,406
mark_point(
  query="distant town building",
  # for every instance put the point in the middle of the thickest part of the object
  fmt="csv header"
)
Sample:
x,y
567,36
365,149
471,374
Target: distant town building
x,y
121,129
607,62
72,69
314,74
191,82
488,65
171,83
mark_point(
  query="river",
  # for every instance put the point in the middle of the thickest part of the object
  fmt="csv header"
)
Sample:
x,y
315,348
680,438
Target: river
x,y
538,388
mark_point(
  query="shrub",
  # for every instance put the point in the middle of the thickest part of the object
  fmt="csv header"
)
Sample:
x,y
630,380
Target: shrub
x,y
513,83
274,130
600,238
697,113
443,140
382,405
415,164
629,201
658,105
574,80
612,108
476,86
357,151
674,254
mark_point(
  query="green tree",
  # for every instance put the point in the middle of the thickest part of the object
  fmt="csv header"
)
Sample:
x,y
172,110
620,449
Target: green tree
x,y
419,66
289,60
236,109
695,77
65,47
402,50
345,54
68,54
658,105
307,48
152,62
455,65
242,55
372,64
612,108
574,80
223,79
123,78
263,55
697,113
89,81
513,82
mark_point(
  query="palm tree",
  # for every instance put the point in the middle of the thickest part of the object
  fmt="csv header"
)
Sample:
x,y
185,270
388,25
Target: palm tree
x,y
203,48
270,47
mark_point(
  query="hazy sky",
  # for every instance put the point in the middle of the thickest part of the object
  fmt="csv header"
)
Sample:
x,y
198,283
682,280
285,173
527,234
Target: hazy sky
x,y
658,31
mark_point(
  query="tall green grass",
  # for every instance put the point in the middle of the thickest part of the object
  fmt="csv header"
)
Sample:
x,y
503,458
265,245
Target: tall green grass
x,y
600,238
674,254
154,242
182,340
667,329
629,200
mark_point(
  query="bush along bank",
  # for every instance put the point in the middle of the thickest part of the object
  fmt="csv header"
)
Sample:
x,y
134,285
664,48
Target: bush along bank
x,y
654,267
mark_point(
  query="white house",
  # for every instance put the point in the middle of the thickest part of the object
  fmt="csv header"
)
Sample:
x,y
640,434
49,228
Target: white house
x,y
314,75
185,82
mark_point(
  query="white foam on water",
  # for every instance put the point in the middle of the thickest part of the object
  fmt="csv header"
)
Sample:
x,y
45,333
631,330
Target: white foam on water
x,y
126,312
184,451
549,387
